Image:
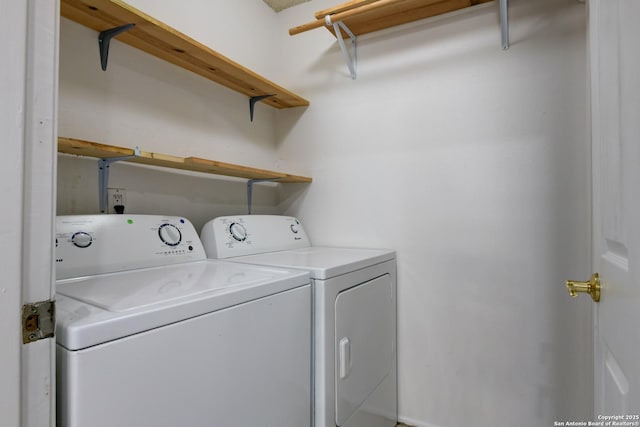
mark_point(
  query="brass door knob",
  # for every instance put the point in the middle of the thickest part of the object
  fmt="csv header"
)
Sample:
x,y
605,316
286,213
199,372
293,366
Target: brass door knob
x,y
592,287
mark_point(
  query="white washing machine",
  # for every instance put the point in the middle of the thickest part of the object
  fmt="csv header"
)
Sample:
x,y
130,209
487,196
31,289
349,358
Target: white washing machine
x,y
152,334
354,313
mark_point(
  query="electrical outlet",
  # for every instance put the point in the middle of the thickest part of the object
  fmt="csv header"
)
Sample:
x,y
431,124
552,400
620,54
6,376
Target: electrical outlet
x,y
116,197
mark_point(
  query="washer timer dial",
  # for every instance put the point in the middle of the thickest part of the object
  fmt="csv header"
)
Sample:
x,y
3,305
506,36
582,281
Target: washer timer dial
x,y
238,232
170,234
81,239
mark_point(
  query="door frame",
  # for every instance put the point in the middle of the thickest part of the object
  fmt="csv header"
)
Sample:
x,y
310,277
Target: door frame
x,y
28,120
12,88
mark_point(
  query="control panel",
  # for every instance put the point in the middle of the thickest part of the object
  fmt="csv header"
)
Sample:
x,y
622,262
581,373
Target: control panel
x,y
231,236
93,244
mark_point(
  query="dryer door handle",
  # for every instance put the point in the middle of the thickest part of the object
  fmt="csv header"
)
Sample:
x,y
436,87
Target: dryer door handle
x,y
345,357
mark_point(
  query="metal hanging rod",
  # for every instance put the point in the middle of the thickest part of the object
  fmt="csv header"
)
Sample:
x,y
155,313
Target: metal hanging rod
x,y
341,16
362,16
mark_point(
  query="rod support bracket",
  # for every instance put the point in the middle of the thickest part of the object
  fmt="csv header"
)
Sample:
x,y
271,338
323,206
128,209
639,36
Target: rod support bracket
x,y
504,23
103,176
351,60
104,38
254,99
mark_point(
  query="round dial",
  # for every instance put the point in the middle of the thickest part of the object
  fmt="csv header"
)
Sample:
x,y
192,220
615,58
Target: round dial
x,y
295,227
81,239
238,232
170,234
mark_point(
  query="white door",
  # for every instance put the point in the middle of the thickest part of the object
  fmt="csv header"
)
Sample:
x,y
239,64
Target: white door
x,y
28,89
615,72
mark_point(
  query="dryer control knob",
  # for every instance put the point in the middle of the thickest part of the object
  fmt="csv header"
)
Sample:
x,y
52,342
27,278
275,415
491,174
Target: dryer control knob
x,y
170,234
81,239
238,232
295,227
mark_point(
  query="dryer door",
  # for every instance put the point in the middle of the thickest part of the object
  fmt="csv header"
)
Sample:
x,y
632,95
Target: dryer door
x,y
365,341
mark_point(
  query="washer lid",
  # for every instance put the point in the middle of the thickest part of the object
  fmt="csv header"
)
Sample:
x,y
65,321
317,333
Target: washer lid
x,y
95,309
322,262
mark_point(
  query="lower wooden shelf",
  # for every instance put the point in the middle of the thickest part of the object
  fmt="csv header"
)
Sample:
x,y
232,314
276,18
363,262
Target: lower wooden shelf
x,y
195,164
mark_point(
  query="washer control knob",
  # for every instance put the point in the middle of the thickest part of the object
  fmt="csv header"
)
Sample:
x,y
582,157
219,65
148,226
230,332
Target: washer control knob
x,y
81,239
295,227
238,232
170,234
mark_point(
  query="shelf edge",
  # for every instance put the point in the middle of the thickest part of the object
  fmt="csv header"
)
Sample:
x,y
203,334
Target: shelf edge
x,y
195,164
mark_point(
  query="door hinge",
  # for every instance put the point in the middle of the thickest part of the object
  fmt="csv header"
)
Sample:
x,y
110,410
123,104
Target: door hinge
x,y
38,321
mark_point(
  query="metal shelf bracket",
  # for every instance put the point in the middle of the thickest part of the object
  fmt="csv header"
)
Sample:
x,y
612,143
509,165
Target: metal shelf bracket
x,y
253,100
105,38
103,176
351,60
250,190
504,23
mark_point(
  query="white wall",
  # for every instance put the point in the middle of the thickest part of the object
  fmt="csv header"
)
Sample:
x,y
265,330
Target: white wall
x,y
473,163
143,101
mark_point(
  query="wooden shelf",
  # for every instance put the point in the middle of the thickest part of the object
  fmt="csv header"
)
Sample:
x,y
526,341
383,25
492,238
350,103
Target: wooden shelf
x,y
195,164
162,41
366,16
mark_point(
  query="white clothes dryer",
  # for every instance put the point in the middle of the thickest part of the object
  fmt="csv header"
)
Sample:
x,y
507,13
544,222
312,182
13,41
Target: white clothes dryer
x,y
150,333
354,313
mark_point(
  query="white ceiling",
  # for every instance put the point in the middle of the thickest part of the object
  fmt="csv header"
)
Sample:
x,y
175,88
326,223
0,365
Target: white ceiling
x,y
279,5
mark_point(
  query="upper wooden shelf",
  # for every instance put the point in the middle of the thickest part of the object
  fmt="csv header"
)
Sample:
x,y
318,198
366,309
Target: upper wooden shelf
x,y
195,164
366,16
158,39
